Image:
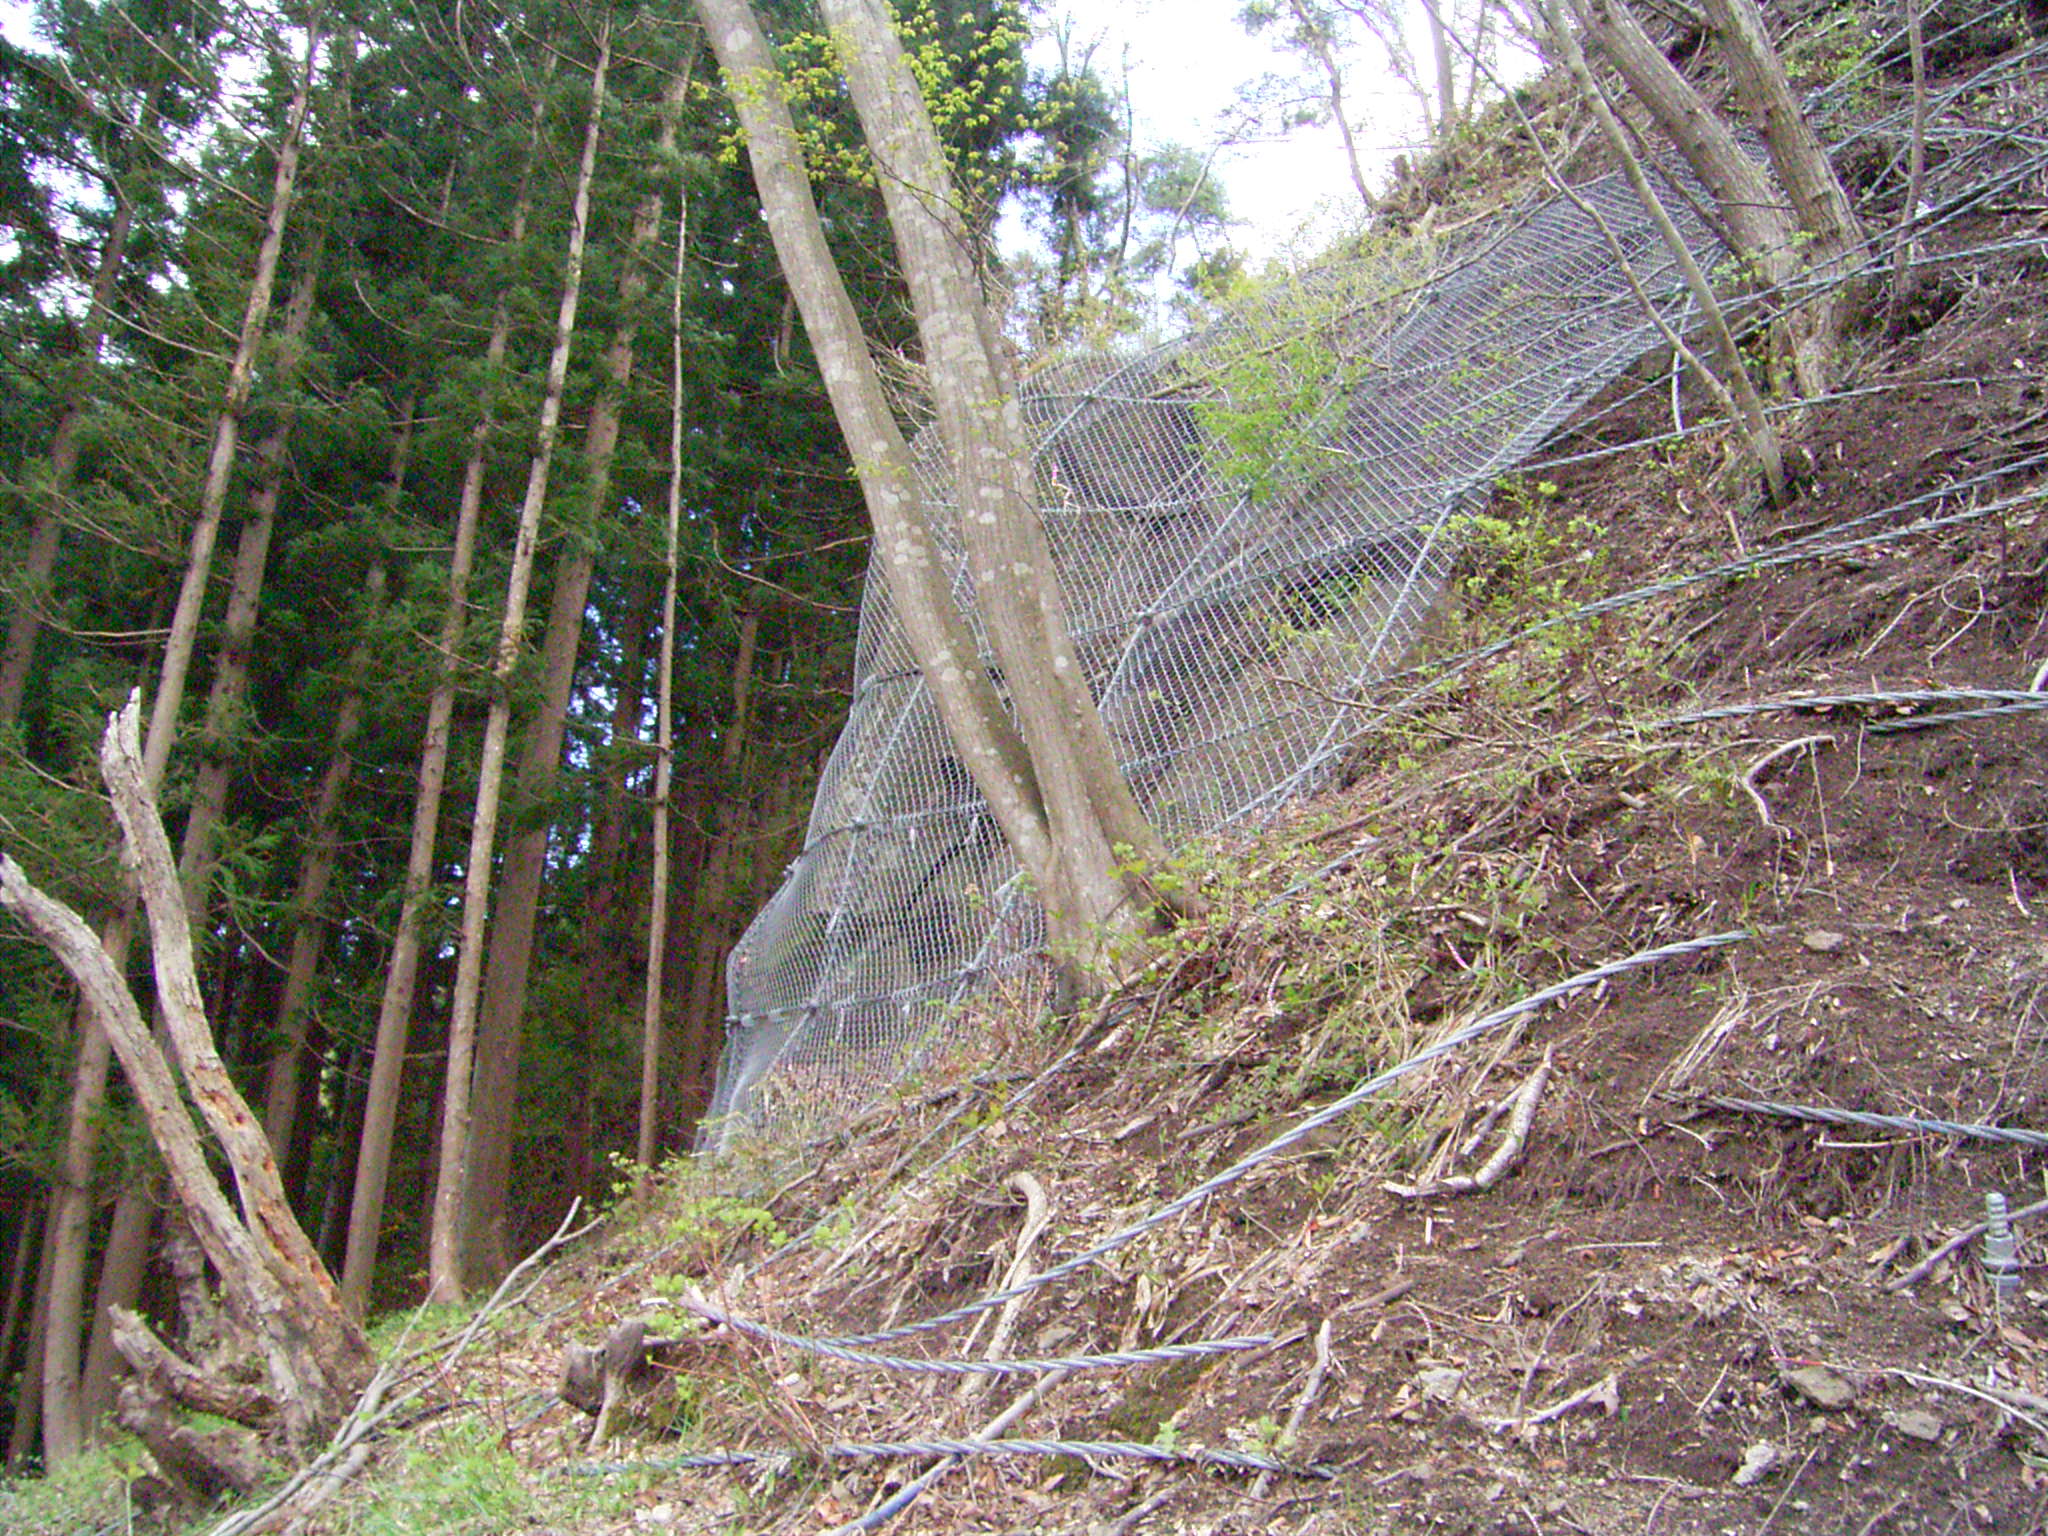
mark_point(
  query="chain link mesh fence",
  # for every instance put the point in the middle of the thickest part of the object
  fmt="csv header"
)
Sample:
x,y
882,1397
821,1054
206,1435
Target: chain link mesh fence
x,y
1249,524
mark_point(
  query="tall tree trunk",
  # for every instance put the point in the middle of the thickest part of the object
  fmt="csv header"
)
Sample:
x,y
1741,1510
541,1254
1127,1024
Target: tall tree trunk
x,y
651,1000
1060,835
331,1237
1085,841
323,846
46,532
20,1295
704,1015
395,1009
501,1022
445,1239
126,1260
1736,392
63,1422
605,944
779,830
28,1395
1446,76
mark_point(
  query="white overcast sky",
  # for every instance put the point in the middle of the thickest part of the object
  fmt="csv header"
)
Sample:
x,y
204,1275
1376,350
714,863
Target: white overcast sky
x,y
1188,60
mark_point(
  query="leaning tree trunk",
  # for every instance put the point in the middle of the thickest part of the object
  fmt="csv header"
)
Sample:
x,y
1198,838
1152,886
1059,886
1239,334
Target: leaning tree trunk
x,y
126,1259
314,1358
1097,844
444,1243
64,1426
988,742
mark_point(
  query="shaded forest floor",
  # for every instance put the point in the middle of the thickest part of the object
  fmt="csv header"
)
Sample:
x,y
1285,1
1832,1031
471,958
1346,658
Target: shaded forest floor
x,y
1669,1315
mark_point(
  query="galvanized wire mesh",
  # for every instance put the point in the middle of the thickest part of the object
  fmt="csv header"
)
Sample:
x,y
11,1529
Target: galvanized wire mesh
x,y
1248,524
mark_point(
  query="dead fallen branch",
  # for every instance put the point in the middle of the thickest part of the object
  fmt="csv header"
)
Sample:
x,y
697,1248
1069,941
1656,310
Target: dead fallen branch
x,y
1521,1111
1604,1394
1310,1391
1783,749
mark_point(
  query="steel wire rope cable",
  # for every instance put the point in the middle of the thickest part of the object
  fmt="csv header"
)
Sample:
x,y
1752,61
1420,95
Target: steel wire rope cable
x,y
912,1366
1436,673
1288,1138
876,1450
2007,701
1868,1120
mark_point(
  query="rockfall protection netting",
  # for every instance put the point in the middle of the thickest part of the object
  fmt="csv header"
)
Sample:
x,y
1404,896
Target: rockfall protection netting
x,y
1249,525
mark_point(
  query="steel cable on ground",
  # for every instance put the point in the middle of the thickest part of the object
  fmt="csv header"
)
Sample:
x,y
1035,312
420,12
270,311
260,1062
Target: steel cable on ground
x,y
999,1367
886,1450
2007,700
1436,673
1875,1122
1957,716
1301,1129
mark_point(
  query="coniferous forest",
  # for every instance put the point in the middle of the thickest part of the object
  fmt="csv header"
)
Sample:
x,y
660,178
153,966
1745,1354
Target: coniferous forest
x,y
344,354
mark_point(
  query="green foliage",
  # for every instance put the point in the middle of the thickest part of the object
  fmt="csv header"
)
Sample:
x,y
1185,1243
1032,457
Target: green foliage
x,y
1528,560
92,1492
1273,410
463,1482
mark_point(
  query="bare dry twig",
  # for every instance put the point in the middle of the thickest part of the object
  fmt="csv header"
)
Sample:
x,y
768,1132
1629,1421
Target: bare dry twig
x,y
1783,749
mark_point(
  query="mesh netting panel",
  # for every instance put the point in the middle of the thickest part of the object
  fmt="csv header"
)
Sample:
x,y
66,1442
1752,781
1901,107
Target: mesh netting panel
x,y
1249,525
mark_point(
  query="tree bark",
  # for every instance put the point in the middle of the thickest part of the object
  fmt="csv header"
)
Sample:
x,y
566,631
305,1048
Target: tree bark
x,y
62,1412
1752,211
445,1241
1050,778
651,998
501,1023
1756,72
124,1265
126,1259
1736,392
315,1358
20,1299
28,1395
1098,841
394,1012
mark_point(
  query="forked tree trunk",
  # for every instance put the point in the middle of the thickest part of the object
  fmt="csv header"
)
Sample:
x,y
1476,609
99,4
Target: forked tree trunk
x,y
501,1021
445,1238
277,1290
1733,387
1098,842
1782,245
64,1427
1050,778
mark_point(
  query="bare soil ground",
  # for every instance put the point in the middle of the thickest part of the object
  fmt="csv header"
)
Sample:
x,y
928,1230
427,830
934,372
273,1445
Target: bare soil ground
x,y
1669,1315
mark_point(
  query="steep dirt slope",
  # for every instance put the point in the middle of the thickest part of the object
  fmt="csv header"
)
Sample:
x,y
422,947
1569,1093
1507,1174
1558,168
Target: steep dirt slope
x,y
1670,1314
